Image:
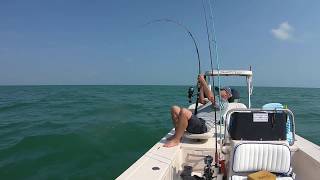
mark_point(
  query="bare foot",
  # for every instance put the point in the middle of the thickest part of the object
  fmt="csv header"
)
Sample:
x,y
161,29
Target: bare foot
x,y
170,138
171,143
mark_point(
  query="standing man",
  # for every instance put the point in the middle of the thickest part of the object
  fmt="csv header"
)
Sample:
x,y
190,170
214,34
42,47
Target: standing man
x,y
183,119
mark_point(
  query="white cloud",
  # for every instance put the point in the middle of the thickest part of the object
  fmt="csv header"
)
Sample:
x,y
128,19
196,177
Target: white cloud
x,y
283,32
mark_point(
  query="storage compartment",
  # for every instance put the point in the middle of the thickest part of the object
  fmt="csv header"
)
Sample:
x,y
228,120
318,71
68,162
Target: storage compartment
x,y
258,126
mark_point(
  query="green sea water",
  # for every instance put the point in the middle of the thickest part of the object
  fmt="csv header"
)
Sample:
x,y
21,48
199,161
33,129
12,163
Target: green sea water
x,y
97,132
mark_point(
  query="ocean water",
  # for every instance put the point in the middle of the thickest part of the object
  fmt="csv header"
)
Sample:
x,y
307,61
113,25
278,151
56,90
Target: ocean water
x,y
96,132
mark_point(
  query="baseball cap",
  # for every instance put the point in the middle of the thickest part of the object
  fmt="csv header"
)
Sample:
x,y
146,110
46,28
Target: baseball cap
x,y
227,89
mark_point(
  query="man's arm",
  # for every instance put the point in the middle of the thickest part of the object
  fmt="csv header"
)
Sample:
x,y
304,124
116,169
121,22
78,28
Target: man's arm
x,y
201,97
205,88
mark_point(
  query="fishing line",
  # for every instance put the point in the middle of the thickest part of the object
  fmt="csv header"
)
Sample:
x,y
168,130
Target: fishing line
x,y
216,49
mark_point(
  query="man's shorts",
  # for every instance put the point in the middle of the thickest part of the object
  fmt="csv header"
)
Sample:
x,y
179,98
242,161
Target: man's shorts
x,y
196,125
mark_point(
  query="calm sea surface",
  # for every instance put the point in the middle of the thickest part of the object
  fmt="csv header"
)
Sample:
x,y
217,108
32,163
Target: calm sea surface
x,y
96,132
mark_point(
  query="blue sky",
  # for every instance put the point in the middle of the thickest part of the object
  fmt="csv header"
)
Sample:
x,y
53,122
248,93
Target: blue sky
x,y
106,42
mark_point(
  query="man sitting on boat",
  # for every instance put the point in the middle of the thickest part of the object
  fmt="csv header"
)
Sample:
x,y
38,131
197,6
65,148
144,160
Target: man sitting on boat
x,y
183,119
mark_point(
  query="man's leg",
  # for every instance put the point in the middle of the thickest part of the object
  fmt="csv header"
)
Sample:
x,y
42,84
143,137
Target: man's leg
x,y
182,125
175,111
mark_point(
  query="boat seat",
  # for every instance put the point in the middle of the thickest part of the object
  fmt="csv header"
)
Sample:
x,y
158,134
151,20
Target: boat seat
x,y
234,105
248,157
202,136
253,125
210,133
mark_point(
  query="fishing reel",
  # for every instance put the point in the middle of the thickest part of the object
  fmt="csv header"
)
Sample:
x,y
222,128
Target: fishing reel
x,y
208,171
207,174
190,94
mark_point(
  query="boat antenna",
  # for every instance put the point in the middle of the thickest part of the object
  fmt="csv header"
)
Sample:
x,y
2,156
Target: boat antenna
x,y
211,63
196,47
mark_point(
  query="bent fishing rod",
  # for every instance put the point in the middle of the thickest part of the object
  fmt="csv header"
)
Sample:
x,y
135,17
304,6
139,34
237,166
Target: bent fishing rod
x,y
197,51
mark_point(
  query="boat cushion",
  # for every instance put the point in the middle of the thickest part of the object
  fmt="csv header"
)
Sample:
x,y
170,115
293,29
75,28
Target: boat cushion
x,y
234,105
206,135
251,157
258,126
210,133
245,178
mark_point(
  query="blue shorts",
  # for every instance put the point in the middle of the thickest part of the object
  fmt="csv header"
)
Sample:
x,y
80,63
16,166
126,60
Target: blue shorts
x,y
196,125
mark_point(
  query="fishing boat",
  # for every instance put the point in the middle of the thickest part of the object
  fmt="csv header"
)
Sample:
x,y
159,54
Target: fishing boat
x,y
246,140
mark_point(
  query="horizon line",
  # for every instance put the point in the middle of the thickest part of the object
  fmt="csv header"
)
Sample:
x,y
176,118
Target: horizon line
x,y
20,85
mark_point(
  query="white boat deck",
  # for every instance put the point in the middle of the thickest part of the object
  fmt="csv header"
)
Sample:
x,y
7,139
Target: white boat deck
x,y
161,163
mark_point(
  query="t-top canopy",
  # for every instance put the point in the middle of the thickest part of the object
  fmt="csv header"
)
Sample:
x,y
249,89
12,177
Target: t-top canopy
x,y
247,73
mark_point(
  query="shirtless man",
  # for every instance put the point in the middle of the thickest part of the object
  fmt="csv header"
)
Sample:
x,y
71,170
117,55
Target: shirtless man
x,y
183,119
